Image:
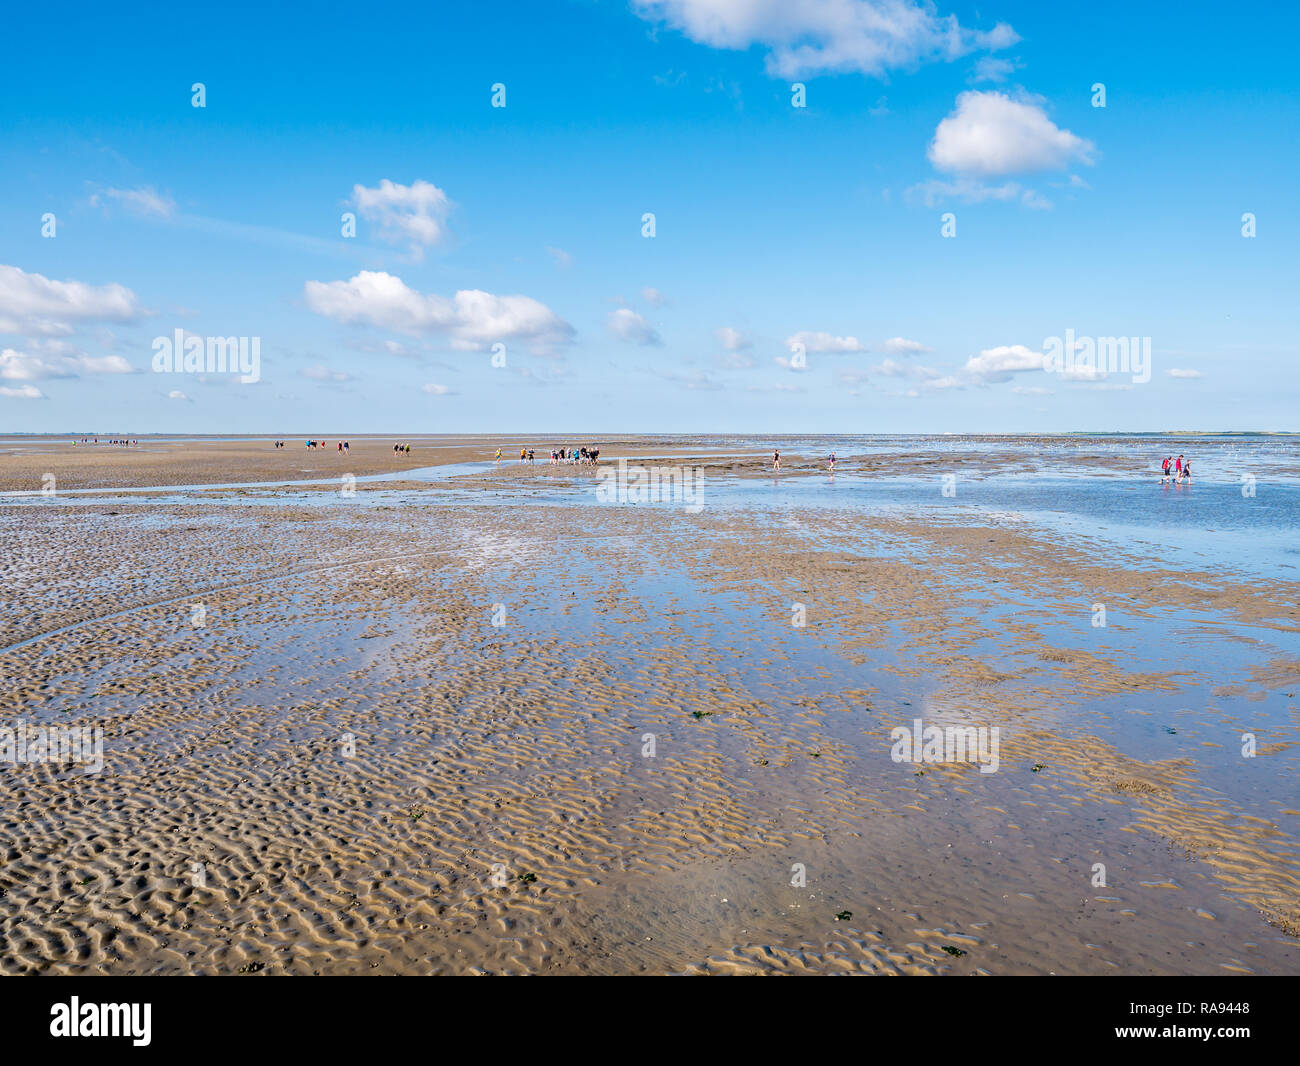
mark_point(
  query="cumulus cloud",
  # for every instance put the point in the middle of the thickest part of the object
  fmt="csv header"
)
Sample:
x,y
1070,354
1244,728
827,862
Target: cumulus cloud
x,y
23,392
827,36
998,364
472,320
414,214
823,342
435,390
32,304
58,363
653,296
629,326
176,394
991,134
732,339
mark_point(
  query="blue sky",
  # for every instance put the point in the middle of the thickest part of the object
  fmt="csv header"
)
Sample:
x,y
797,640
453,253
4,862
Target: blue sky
x,y
775,226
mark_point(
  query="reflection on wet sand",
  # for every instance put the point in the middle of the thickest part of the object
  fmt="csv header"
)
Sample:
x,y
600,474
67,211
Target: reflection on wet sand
x,y
486,734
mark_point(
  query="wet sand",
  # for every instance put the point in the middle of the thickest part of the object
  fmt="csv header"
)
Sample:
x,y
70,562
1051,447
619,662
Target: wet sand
x,y
569,738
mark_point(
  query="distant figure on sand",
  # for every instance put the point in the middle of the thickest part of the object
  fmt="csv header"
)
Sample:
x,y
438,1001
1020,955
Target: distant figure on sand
x,y
832,461
776,460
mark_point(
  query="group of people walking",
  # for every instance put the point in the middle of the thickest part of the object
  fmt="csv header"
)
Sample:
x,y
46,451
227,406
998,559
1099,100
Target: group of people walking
x,y
581,456
1175,471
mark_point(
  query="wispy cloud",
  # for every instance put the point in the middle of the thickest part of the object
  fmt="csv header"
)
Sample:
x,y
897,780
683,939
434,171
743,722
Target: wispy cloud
x,y
145,201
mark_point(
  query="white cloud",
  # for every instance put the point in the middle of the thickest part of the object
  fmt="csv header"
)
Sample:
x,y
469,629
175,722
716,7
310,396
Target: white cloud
x,y
989,134
732,339
902,346
435,390
891,369
563,259
23,392
58,363
176,394
948,382
629,326
653,296
994,69
998,364
789,364
33,304
324,373
1175,372
827,36
824,342
1035,201
969,191
472,320
415,213
144,201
